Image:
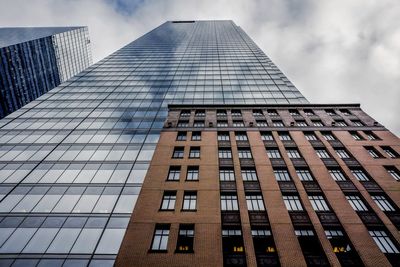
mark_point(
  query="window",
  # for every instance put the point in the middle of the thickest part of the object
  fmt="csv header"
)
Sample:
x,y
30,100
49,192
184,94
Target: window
x,y
181,136
310,136
345,112
185,238
200,113
356,203
229,202
328,136
356,136
178,153
223,136
293,153
194,152
249,174
226,174
257,113
255,202
192,173
185,113
394,172
383,241
241,136
198,124
237,123
309,112
273,153
183,123
342,153
236,113
317,123
292,203
371,135
383,203
322,153
360,174
232,241
160,238
282,175
244,153
221,113
168,201
174,172
196,136
330,112
261,123
357,123
337,175
224,153
301,123
304,175
221,123
390,152
294,112
277,123
318,203
284,136
189,201
340,123
373,152
272,112
267,136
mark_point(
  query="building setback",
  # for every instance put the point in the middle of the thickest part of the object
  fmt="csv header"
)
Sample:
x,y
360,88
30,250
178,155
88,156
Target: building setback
x,y
34,60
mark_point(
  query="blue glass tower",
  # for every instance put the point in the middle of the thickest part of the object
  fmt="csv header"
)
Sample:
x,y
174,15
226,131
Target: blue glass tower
x,y
73,160
35,60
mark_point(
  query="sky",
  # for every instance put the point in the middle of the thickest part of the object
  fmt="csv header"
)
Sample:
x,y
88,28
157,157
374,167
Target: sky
x,y
333,51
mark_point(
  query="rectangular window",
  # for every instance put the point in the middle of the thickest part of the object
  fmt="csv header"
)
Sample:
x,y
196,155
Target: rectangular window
x,y
343,154
328,136
357,123
185,238
229,202
226,174
200,113
371,135
384,242
168,201
273,153
277,123
224,153
310,136
337,175
198,124
293,153
292,203
360,174
294,112
181,136
317,123
236,113
394,172
282,175
185,113
223,136
267,136
237,123
192,173
330,112
345,112
255,203
309,112
304,175
178,153
221,113
322,154
194,152
196,136
261,123
183,123
241,136
340,123
356,136
222,123
318,203
160,237
373,152
301,123
283,136
189,201
390,152
356,203
249,174
244,153
174,172
272,112
257,113
383,203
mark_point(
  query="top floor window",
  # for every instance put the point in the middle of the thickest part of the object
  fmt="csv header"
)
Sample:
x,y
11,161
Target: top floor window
x,y
223,136
236,113
185,113
272,112
200,113
267,136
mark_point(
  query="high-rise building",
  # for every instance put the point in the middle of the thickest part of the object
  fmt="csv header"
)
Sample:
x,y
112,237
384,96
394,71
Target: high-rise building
x,y
73,163
34,60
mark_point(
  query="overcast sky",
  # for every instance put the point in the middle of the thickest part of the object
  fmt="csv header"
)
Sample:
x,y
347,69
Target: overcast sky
x,y
333,51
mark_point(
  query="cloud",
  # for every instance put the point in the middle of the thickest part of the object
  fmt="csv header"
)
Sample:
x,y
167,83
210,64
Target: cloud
x,y
333,51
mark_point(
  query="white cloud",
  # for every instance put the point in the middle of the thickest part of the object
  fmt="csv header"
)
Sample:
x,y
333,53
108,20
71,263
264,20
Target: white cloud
x,y
333,51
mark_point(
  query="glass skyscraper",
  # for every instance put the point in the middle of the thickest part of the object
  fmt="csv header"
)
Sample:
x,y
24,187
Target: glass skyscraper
x,y
72,161
34,60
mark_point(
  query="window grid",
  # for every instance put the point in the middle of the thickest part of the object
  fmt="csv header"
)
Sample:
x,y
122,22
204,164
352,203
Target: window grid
x,y
255,203
229,203
189,201
282,175
160,238
318,203
356,203
168,201
226,175
192,173
249,175
383,203
292,203
384,242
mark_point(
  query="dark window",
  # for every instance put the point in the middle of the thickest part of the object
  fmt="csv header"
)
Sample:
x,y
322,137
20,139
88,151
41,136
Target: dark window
x,y
232,241
309,112
237,123
261,123
160,237
223,136
273,153
267,136
272,112
185,238
337,175
181,136
257,113
198,124
310,136
277,123
322,153
294,112
284,136
356,136
330,112
357,123
222,123
236,113
340,123
371,135
328,136
244,153
185,113
194,152
200,113
224,153
221,113
249,174
394,172
317,123
390,152
183,123
293,153
241,136
301,123
178,153
373,152
196,136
